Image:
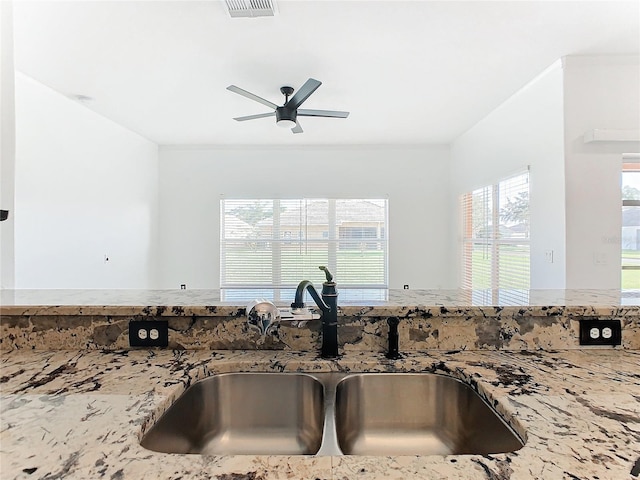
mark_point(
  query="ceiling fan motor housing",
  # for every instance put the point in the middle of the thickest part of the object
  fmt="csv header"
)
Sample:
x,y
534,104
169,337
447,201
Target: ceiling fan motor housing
x,y
284,113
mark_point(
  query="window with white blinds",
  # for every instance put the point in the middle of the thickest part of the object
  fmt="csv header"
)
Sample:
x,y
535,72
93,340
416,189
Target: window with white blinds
x,y
630,226
276,243
496,237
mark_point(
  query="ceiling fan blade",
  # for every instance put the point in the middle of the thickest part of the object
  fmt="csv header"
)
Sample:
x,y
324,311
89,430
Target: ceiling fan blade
x,y
251,117
322,113
297,128
250,95
303,93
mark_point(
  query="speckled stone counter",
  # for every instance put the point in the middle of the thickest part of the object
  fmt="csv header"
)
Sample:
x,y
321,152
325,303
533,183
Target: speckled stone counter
x,y
80,415
75,399
203,319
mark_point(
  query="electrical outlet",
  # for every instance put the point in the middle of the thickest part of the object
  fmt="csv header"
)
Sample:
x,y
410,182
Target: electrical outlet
x,y
600,258
148,333
600,332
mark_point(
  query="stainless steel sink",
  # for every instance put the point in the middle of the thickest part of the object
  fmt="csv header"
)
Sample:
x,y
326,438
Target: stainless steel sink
x,y
243,413
416,414
330,414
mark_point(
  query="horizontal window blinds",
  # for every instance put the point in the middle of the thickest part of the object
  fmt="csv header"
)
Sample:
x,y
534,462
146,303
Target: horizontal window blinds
x,y
279,242
496,236
630,226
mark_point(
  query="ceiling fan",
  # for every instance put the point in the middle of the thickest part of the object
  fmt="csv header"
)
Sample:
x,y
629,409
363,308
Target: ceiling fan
x,y
287,114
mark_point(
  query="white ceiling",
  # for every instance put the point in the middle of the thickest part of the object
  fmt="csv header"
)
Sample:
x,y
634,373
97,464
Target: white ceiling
x,y
409,72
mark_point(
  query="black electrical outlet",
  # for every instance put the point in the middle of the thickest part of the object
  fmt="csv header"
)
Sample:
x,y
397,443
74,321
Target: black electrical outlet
x,y
148,333
600,332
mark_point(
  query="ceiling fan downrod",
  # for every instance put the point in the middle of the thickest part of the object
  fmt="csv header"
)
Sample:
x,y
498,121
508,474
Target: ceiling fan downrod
x,y
287,92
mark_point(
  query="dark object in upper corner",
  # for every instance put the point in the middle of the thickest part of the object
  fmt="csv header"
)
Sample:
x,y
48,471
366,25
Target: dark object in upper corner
x,y
4,214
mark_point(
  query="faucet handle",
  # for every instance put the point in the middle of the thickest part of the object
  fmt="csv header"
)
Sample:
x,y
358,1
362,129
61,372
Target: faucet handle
x,y
262,314
327,273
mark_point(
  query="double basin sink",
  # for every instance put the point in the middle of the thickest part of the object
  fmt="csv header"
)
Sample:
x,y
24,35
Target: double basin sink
x,y
330,414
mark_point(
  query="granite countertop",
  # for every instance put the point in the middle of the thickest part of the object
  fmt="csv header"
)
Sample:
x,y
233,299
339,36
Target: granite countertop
x,y
453,303
79,415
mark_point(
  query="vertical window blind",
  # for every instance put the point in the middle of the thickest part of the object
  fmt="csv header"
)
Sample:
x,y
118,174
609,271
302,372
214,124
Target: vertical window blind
x,y
279,242
496,238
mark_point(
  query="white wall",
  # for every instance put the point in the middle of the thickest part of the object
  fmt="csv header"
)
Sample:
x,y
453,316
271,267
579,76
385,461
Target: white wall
x,y
7,146
84,187
192,181
525,130
600,93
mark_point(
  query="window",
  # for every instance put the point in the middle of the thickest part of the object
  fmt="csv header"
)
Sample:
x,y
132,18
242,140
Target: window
x,y
630,226
276,243
496,239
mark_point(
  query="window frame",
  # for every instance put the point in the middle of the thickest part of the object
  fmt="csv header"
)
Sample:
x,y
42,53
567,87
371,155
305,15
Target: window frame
x,y
627,167
493,242
326,235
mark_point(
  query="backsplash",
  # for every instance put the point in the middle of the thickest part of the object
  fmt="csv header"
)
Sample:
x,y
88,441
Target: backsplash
x,y
419,329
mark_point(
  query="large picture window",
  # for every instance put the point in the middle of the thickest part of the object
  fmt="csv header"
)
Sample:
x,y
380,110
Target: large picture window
x,y
276,243
496,238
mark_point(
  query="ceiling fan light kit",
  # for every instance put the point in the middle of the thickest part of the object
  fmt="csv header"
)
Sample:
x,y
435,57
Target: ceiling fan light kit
x,y
287,114
284,123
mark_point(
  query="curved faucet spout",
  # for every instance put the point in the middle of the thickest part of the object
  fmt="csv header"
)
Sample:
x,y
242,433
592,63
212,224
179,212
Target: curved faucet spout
x,y
299,300
328,303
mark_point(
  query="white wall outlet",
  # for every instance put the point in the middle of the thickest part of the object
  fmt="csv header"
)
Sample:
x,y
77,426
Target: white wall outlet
x,y
548,256
600,332
599,258
148,333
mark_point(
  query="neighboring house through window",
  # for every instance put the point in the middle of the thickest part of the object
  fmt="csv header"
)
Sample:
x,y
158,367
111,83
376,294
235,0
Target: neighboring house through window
x,y
276,243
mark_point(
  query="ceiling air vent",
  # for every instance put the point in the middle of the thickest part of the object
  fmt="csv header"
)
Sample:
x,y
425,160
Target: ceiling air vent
x,y
250,8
